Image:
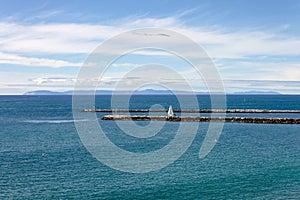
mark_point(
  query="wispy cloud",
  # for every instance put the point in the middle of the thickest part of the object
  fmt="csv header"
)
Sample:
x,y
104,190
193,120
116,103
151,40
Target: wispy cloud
x,y
262,85
59,80
53,38
32,61
83,38
20,42
109,83
129,65
280,71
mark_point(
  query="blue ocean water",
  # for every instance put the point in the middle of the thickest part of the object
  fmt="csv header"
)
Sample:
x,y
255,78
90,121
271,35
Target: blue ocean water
x,y
42,156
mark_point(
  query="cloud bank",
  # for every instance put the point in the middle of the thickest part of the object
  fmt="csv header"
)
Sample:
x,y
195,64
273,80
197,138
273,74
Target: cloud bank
x,y
21,43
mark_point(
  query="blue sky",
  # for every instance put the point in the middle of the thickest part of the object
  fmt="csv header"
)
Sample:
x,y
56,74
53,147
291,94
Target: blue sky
x,y
254,44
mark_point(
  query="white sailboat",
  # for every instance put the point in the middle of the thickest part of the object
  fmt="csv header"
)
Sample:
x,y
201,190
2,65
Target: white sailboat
x,y
170,112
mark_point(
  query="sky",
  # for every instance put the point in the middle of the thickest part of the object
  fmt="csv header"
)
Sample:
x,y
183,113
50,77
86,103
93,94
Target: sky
x,y
255,45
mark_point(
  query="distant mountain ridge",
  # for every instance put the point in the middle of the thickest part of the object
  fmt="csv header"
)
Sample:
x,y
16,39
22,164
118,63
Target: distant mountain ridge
x,y
257,92
46,92
100,92
142,92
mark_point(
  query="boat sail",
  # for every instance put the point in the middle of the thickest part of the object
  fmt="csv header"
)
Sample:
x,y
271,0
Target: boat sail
x,y
170,112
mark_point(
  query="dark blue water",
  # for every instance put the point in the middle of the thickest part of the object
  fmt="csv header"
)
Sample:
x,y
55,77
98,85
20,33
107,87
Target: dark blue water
x,y
42,156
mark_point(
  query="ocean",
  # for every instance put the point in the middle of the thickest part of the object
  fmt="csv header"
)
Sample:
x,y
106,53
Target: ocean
x,y
42,156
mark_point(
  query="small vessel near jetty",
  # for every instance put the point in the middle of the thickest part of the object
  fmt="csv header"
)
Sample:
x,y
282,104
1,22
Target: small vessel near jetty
x,y
170,112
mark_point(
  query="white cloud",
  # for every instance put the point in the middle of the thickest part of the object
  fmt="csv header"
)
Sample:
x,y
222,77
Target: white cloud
x,y
154,22
19,42
284,87
128,65
237,44
262,71
83,38
53,38
19,82
59,80
31,61
109,83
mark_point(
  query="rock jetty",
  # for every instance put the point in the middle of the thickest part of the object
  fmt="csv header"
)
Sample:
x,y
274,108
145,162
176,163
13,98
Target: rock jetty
x,y
192,111
204,119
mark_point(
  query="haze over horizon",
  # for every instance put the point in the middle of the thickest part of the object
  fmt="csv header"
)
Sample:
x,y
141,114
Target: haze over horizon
x,y
255,45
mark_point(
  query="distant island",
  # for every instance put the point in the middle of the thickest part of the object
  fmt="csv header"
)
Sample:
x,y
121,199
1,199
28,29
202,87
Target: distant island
x,y
143,92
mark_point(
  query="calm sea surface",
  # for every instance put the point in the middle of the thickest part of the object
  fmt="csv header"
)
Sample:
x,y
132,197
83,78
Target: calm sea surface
x,y
42,157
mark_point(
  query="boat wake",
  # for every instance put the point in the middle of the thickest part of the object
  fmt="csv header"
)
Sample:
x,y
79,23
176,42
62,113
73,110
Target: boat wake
x,y
54,121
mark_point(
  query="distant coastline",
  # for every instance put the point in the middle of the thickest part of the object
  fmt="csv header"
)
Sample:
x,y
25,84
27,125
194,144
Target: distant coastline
x,y
145,92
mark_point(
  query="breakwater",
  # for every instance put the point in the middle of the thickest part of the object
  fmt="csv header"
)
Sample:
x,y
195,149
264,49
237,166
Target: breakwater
x,y
193,111
205,119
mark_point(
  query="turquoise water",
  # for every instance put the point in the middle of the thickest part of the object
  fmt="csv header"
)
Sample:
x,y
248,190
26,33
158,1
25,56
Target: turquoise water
x,y
42,156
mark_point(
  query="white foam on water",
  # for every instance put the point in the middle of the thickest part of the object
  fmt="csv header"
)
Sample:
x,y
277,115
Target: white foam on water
x,y
54,121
